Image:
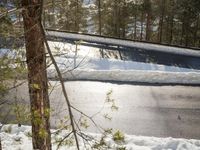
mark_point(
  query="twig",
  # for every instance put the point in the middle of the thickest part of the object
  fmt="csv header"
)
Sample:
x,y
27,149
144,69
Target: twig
x,y
63,87
91,119
61,141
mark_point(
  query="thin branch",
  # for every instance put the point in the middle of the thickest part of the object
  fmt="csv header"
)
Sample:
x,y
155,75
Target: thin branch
x,y
63,87
61,141
91,119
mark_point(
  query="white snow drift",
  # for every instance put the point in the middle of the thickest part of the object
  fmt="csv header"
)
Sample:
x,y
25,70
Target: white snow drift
x,y
19,138
84,64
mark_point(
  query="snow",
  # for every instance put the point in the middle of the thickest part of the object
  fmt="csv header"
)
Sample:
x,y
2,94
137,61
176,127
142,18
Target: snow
x,y
125,43
85,64
19,138
6,52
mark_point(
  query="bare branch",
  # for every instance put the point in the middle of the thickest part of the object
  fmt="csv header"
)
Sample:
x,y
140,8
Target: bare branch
x,y
63,87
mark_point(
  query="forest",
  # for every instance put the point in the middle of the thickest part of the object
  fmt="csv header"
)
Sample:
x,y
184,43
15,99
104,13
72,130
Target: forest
x,y
174,22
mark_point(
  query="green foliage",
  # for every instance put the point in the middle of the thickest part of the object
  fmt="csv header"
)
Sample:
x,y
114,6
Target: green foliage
x,y
43,133
47,112
64,123
5,74
121,148
118,136
111,101
37,118
35,86
6,27
84,122
100,145
21,113
66,142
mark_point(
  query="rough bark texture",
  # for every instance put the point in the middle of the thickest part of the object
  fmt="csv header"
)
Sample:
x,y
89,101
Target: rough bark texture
x,y
37,76
141,32
161,21
99,12
148,19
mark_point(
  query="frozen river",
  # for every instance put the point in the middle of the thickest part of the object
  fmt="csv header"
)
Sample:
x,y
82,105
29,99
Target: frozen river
x,y
161,111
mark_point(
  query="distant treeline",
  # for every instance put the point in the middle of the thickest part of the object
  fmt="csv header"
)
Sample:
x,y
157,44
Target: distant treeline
x,y
175,22
163,21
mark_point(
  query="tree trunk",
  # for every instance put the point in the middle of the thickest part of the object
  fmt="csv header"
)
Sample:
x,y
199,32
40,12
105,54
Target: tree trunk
x,y
160,32
53,17
195,36
171,30
135,27
141,33
37,75
116,18
148,28
76,23
124,17
182,31
148,22
187,29
99,11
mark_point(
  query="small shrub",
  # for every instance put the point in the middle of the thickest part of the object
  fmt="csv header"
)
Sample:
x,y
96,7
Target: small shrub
x,y
118,136
121,148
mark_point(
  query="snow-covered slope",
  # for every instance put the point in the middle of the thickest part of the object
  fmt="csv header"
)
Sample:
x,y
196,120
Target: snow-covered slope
x,y
19,138
124,43
85,64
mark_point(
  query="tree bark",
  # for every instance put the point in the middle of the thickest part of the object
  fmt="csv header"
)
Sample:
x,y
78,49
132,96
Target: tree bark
x,y
195,36
148,22
76,23
124,17
37,75
99,11
160,32
141,28
171,29
135,27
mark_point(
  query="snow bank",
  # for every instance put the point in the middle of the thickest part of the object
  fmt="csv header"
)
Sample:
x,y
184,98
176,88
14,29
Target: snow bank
x,y
15,138
86,64
124,43
130,76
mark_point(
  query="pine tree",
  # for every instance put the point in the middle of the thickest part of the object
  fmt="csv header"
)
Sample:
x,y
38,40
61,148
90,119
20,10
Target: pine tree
x,y
37,75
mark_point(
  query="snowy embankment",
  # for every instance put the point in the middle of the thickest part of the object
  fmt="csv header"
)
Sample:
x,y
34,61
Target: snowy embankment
x,y
85,64
15,138
123,43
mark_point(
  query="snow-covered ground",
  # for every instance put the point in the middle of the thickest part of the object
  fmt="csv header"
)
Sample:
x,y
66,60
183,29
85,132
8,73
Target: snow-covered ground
x,y
86,64
19,138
